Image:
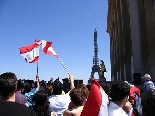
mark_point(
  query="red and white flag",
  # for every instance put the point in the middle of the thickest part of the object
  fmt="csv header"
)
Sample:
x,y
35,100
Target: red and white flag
x,y
97,102
47,48
31,53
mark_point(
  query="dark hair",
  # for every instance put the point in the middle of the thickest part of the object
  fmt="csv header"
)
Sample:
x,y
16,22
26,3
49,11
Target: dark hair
x,y
41,101
57,88
77,96
8,84
49,89
43,84
106,88
149,105
119,90
84,89
28,87
19,85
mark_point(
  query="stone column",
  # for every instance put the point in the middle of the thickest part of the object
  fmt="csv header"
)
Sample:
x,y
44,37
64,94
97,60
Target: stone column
x,y
126,38
117,40
138,37
114,53
120,38
149,14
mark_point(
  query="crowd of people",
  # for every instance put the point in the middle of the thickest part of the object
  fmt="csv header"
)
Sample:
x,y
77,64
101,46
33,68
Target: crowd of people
x,y
18,98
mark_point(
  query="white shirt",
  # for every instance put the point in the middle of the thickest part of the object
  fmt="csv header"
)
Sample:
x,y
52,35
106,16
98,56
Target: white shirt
x,y
115,110
59,103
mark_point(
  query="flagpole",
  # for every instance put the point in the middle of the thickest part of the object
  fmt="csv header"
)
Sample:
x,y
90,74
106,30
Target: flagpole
x,y
37,68
63,65
37,61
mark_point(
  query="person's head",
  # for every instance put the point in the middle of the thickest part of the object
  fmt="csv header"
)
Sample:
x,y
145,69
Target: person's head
x,y
49,89
41,102
149,105
77,96
146,77
84,88
120,91
28,87
106,88
8,85
57,87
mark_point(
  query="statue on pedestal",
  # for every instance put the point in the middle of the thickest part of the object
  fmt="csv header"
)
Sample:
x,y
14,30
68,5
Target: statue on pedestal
x,y
102,69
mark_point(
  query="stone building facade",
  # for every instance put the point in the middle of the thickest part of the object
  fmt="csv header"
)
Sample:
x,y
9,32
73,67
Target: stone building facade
x,y
131,26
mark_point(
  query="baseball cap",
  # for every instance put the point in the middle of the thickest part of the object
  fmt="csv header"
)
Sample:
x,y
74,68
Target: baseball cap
x,y
146,76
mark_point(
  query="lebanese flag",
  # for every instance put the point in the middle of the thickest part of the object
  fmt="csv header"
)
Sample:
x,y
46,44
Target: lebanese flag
x,y
31,53
97,102
47,48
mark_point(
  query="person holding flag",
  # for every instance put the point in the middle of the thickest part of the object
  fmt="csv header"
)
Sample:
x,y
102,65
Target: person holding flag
x,y
58,102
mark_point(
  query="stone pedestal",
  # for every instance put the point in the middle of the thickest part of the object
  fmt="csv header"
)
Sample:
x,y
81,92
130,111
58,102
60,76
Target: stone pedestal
x,y
101,80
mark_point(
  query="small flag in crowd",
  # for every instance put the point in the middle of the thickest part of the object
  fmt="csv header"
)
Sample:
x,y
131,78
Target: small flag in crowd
x,y
97,102
31,53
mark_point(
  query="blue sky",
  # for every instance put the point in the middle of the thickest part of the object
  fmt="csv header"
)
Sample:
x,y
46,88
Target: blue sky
x,y
68,24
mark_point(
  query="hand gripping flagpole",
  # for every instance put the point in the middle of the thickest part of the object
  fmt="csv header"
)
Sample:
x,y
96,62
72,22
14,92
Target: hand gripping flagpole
x,y
63,66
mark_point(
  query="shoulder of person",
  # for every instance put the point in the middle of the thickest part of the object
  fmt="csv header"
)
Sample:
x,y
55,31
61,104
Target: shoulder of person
x,y
26,111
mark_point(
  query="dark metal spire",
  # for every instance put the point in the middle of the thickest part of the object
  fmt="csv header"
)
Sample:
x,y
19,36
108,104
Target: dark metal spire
x,y
95,58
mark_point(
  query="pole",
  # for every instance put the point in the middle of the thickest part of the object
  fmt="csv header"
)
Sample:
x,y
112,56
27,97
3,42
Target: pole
x,y
37,61
63,66
37,68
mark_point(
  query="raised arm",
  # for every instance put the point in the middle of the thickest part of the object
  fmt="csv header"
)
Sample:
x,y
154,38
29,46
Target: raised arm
x,y
71,81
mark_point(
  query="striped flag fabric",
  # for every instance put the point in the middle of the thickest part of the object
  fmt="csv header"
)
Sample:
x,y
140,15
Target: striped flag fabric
x,y
47,48
31,52
97,102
